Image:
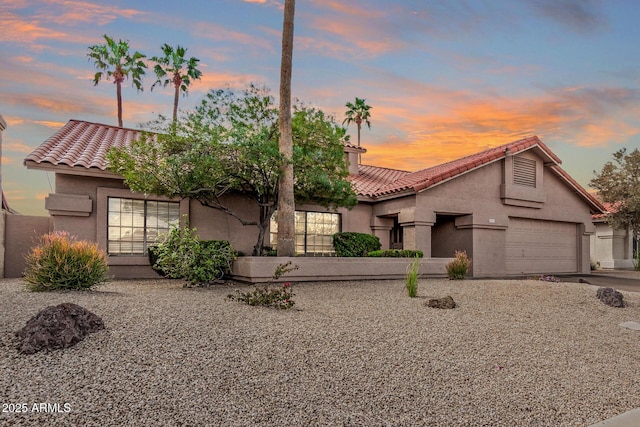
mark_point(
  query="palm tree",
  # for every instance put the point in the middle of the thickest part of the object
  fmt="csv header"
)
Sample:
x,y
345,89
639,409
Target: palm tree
x,y
358,112
286,201
174,68
114,59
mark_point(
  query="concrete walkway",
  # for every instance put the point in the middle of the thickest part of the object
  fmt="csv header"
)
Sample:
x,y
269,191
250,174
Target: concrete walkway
x,y
628,419
622,280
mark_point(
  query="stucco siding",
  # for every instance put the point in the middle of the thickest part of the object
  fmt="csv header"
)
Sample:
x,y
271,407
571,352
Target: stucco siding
x,y
474,202
22,233
214,224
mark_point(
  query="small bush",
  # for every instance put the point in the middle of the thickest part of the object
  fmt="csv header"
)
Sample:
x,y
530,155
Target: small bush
x,y
180,254
411,279
351,244
62,262
396,253
267,296
458,268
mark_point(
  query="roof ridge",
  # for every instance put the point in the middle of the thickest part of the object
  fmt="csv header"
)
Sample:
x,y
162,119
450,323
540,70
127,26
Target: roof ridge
x,y
107,126
384,167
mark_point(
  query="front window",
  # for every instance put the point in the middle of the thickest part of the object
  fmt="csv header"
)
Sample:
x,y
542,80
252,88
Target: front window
x,y
133,225
314,232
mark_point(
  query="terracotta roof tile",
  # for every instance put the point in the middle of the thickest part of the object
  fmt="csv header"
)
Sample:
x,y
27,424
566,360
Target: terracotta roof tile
x,y
85,145
82,144
429,177
608,208
372,178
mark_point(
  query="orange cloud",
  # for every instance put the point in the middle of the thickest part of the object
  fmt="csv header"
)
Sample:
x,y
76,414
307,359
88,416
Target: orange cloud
x,y
17,146
50,124
13,120
78,11
15,29
9,160
434,125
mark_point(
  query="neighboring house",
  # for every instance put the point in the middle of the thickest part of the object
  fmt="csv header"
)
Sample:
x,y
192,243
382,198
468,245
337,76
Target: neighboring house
x,y
611,248
511,208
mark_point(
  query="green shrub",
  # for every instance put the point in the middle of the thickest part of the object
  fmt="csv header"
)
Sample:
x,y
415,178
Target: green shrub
x,y
411,279
267,296
62,262
458,268
180,254
351,244
396,253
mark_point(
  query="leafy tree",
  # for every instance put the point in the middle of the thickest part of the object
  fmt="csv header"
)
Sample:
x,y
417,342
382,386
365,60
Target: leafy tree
x,y
286,198
358,112
174,68
618,183
114,59
229,145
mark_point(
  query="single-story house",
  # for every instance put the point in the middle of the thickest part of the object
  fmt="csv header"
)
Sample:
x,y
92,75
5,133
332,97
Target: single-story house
x,y
611,248
512,208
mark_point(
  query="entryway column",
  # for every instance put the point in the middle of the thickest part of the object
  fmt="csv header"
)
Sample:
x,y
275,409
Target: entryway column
x,y
381,228
416,232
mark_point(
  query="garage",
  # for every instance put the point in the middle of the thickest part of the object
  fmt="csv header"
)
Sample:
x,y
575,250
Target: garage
x,y
535,246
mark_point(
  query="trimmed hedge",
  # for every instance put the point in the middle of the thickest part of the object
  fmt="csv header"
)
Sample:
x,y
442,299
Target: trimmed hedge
x,y
396,253
351,244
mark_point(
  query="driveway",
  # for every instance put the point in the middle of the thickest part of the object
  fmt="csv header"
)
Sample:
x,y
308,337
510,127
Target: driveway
x,y
622,280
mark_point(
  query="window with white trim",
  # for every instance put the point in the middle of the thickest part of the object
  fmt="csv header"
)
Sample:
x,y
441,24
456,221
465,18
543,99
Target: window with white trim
x,y
133,225
313,232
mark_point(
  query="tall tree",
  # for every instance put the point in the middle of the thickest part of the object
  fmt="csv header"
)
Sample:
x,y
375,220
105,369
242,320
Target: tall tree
x,y
618,184
174,68
286,202
229,146
114,59
358,112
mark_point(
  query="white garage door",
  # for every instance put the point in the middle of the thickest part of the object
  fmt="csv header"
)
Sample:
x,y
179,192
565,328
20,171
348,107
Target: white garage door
x,y
535,246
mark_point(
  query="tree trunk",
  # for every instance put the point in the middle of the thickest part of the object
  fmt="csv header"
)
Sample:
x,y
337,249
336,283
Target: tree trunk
x,y
265,217
286,202
119,100
175,103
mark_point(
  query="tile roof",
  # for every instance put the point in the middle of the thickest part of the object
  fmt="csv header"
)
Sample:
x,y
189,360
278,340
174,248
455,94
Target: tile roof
x,y
425,178
372,178
80,144
608,208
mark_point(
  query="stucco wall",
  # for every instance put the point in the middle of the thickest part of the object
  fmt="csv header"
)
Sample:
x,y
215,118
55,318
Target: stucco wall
x,y
476,200
471,212
611,248
21,234
214,224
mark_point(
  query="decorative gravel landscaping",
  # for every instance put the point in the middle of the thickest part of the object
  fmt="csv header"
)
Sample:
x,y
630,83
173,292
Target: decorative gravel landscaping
x,y
512,353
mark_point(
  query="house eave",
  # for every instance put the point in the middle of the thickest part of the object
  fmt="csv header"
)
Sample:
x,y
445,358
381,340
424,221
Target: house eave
x,y
70,170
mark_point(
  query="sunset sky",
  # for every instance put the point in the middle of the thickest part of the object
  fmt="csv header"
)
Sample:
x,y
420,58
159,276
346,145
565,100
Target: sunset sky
x,y
444,78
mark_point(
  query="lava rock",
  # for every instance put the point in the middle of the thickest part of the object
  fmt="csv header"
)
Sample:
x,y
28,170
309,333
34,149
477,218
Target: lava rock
x,y
57,327
610,296
446,302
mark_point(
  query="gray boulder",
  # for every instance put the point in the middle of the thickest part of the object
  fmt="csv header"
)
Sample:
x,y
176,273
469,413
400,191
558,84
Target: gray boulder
x,y
57,327
610,296
446,303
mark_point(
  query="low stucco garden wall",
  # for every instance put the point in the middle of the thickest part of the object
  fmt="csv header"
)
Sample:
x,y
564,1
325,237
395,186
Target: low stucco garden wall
x,y
261,269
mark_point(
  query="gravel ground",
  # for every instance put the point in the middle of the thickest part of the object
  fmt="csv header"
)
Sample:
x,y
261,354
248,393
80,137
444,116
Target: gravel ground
x,y
513,353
